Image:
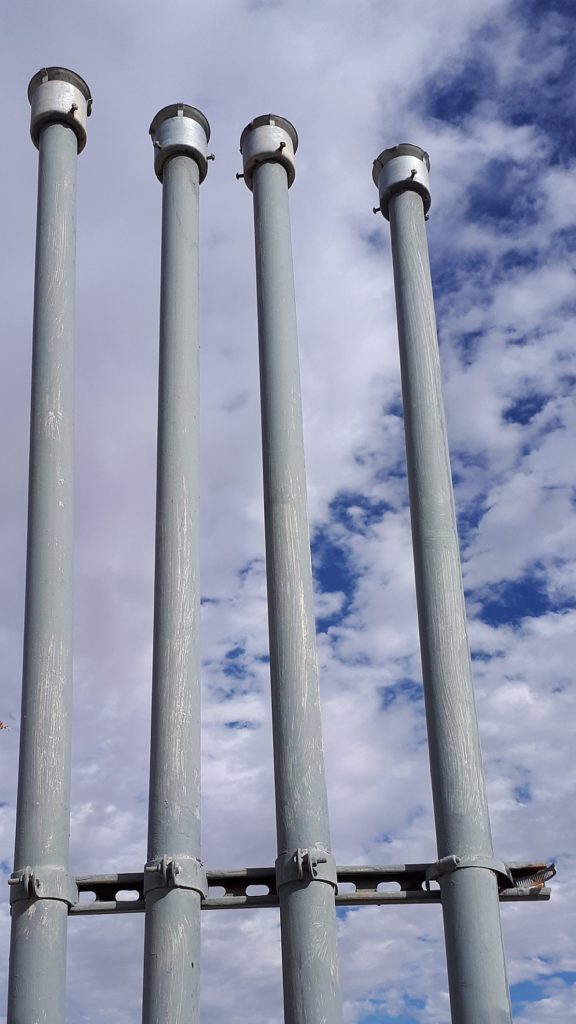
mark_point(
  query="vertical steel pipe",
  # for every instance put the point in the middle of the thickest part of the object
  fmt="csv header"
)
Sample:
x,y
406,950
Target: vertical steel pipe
x,y
305,868
41,888
174,877
466,869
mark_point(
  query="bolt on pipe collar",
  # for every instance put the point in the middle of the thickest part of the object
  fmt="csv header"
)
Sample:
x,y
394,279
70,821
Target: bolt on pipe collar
x,y
268,138
400,168
180,129
59,96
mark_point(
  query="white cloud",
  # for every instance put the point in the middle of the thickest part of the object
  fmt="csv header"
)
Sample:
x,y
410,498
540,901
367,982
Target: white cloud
x,y
353,80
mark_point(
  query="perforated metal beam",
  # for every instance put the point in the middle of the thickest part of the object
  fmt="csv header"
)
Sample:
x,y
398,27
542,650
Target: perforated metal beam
x,y
357,886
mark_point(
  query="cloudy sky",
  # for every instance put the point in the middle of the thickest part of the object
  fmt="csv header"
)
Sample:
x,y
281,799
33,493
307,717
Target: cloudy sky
x,y
487,88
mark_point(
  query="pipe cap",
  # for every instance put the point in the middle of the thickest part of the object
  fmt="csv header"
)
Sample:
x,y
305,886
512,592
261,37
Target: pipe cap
x,y
268,138
400,168
180,129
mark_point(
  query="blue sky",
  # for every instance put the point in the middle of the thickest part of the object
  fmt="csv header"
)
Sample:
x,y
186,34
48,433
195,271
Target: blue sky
x,y
487,89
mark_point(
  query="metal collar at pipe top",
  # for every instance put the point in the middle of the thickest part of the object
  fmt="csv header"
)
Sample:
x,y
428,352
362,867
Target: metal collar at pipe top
x,y
180,129
268,138
59,96
399,169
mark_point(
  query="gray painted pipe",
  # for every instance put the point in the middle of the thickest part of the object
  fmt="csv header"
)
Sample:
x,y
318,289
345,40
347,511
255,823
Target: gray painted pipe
x,y
476,964
41,889
174,879
305,869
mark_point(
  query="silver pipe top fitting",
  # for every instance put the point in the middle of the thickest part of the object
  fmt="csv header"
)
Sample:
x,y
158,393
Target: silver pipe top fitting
x,y
180,130
400,168
59,96
268,138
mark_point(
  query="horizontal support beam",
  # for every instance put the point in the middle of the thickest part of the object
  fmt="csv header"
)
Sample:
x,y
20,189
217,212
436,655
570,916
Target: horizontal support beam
x,y
251,888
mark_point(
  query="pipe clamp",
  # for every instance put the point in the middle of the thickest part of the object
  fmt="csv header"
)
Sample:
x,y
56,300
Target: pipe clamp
x,y
307,864
168,873
446,865
43,883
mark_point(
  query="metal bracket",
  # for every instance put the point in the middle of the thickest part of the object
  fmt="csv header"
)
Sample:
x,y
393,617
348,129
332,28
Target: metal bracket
x,y
169,873
308,864
446,865
43,883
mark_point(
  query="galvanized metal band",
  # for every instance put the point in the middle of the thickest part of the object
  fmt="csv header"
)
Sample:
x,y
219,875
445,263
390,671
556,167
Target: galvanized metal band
x,y
169,873
59,96
446,865
401,168
43,883
306,864
268,138
180,129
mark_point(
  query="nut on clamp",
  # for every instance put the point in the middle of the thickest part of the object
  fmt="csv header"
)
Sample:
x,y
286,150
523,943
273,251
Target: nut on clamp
x,y
399,169
43,883
306,864
268,139
59,96
170,873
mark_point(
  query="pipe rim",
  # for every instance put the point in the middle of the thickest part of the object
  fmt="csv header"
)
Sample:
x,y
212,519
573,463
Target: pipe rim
x,y
57,74
275,119
173,110
402,149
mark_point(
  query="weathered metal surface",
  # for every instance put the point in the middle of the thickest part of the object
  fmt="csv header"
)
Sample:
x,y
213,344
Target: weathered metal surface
x,y
268,137
180,128
307,909
305,883
475,955
399,168
174,874
41,889
59,95
124,893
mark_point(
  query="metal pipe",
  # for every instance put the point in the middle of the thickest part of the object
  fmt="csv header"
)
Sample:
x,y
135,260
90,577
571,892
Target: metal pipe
x,y
466,870
41,888
305,868
174,879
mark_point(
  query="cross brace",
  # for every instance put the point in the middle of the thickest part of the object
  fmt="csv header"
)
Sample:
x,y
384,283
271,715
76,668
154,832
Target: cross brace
x,y
357,886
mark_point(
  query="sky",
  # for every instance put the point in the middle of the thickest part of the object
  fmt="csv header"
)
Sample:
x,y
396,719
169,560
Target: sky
x,y
487,89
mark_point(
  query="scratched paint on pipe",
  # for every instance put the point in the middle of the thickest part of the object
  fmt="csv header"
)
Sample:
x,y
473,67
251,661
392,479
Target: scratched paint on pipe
x,y
314,987
299,764
311,992
178,786
38,944
476,971
172,927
